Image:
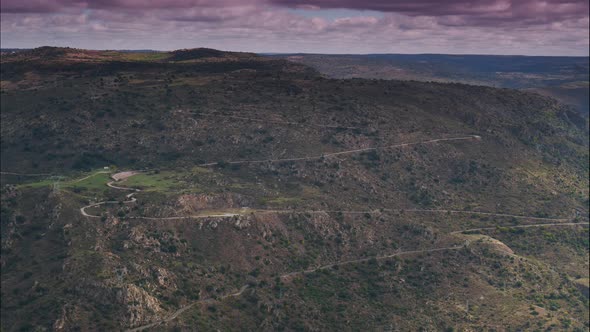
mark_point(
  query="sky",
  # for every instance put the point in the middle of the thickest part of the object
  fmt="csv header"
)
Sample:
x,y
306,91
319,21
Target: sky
x,y
525,27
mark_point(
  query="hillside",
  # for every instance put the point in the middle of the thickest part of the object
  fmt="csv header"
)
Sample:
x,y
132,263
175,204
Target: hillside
x,y
268,197
562,78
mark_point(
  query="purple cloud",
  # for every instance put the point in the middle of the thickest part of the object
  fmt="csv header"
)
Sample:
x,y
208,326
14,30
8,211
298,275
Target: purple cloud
x,y
472,12
449,12
37,6
48,6
420,26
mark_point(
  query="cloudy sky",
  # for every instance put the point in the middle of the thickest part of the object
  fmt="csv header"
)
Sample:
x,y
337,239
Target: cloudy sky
x,y
529,27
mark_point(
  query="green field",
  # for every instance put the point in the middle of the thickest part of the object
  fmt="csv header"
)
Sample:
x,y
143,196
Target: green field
x,y
95,182
164,181
86,181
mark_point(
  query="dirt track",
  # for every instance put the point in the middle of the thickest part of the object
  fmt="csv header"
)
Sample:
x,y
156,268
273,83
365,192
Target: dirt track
x,y
331,154
175,314
521,226
25,174
290,123
178,312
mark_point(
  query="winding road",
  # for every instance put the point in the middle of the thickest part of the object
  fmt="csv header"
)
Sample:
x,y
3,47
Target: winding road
x,y
331,154
360,260
517,216
178,312
86,214
118,176
181,310
26,174
246,211
132,199
480,213
121,176
291,123
175,314
520,226
89,176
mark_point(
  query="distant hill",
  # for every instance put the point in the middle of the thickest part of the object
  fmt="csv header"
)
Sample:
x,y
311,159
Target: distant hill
x,y
124,51
201,53
74,55
13,50
564,78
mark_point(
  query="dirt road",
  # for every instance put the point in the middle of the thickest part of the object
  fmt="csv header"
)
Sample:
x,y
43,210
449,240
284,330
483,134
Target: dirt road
x,y
85,214
376,211
178,312
324,155
127,174
360,260
290,123
521,226
110,184
25,174
120,176
89,176
181,310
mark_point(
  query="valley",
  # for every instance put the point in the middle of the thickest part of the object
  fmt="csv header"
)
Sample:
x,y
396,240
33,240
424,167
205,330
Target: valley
x,y
123,176
209,190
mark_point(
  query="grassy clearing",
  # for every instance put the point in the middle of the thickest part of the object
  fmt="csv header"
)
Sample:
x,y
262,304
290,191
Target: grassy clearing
x,y
94,181
172,181
180,181
163,181
37,184
97,181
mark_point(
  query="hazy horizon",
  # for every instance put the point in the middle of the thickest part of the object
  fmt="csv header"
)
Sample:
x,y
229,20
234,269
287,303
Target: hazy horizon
x,y
291,53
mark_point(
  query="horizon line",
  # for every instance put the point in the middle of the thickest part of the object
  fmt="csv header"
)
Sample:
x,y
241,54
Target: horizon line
x,y
301,53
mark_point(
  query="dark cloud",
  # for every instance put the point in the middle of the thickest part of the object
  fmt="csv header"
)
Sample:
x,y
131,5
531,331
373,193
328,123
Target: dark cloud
x,y
453,12
37,6
473,12
48,6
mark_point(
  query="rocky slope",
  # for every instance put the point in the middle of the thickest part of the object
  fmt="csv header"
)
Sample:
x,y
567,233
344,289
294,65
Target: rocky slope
x,y
390,258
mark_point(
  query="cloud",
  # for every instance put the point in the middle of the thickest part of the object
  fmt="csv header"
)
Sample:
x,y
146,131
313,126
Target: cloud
x,y
38,6
319,26
466,12
355,22
54,6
